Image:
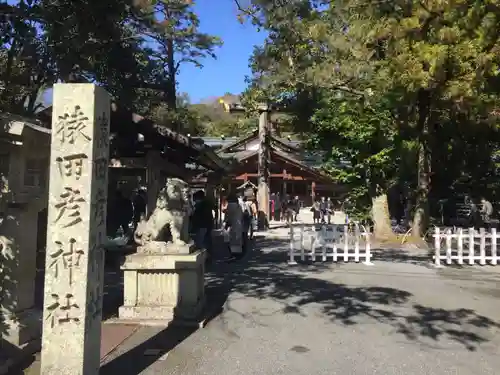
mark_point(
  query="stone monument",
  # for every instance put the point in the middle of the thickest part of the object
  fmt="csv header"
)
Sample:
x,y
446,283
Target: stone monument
x,y
76,228
164,280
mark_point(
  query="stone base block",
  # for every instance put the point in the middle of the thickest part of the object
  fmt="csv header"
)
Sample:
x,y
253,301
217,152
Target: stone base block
x,y
163,288
161,248
22,327
21,339
12,358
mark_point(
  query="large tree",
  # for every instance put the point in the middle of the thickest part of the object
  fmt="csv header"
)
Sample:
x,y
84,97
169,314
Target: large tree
x,y
435,60
133,48
171,31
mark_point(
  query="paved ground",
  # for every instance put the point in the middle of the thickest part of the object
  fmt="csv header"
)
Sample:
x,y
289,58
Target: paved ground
x,y
398,317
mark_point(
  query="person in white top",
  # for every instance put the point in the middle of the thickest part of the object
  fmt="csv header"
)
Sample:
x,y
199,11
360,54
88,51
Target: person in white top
x,y
234,224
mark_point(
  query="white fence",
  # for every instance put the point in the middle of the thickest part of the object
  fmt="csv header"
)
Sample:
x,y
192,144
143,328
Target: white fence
x,y
338,242
466,246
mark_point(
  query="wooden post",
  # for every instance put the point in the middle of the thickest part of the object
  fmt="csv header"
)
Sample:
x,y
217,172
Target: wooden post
x,y
313,192
264,156
285,190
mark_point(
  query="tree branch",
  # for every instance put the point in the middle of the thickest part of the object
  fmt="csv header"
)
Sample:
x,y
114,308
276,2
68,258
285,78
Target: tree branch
x,y
249,13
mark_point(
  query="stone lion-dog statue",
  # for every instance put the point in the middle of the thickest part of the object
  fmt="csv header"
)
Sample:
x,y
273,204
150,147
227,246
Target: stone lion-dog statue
x,y
170,216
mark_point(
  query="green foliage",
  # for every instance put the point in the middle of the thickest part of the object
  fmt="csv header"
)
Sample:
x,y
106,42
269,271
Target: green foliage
x,y
406,92
362,147
135,49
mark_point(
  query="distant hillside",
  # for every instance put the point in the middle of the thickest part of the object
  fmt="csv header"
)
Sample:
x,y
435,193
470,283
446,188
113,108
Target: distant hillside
x,y
217,122
214,100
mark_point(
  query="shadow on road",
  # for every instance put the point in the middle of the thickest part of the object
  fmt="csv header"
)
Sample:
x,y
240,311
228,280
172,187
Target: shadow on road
x,y
420,257
144,355
265,275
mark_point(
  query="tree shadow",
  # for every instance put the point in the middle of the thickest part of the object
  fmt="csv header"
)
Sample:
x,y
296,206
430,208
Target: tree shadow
x,y
265,275
145,354
420,258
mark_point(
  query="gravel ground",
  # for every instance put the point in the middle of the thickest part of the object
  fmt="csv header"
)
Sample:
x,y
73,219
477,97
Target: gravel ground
x,y
400,316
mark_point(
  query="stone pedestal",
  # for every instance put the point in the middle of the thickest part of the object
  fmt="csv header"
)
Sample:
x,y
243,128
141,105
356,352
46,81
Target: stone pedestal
x,y
162,288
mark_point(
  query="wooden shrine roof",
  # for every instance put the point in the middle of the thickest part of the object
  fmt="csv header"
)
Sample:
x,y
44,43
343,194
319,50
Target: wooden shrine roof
x,y
239,158
280,142
239,141
133,135
13,124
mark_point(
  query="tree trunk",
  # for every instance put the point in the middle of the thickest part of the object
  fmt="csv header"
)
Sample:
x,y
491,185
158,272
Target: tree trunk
x,y
421,215
381,219
171,92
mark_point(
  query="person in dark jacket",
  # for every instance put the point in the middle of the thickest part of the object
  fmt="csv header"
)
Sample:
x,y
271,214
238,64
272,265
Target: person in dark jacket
x,y
296,207
121,214
139,203
202,221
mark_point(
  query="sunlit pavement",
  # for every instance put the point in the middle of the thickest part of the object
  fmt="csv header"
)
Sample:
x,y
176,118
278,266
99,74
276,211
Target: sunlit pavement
x,y
396,317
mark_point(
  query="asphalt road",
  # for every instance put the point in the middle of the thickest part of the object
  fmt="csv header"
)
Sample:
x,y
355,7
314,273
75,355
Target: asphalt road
x,y
397,317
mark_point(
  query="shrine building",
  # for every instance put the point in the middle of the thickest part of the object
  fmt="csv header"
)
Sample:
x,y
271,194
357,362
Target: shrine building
x,y
293,170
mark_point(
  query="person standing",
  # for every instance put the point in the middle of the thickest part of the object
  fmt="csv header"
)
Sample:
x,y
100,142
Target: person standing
x,y
272,205
329,210
247,224
322,208
289,210
234,224
486,211
316,209
296,207
139,204
121,214
277,207
252,206
475,214
202,222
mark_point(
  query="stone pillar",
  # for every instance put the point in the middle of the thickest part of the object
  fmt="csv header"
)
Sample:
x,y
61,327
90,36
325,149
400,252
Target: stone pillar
x,y
76,228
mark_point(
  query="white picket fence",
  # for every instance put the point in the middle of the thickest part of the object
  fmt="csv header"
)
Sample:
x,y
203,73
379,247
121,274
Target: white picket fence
x,y
334,241
466,246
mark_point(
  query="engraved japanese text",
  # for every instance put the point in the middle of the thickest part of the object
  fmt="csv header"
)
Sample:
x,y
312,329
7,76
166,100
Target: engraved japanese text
x,y
96,254
99,207
103,139
72,165
101,168
94,305
63,310
68,207
72,126
66,256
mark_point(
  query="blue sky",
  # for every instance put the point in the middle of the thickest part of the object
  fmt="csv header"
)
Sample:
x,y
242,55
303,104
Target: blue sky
x,y
227,72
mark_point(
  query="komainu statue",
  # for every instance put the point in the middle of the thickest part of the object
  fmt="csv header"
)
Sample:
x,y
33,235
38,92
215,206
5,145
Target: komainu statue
x,y
167,227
